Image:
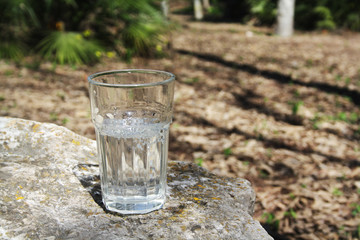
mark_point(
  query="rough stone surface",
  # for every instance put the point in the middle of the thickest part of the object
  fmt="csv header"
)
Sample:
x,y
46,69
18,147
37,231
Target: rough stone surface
x,y
49,189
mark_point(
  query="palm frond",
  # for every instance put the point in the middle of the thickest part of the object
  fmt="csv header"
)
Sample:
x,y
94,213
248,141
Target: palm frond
x,y
18,12
68,47
11,50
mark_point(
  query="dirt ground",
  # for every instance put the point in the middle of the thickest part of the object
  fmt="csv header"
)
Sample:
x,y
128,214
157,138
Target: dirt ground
x,y
283,113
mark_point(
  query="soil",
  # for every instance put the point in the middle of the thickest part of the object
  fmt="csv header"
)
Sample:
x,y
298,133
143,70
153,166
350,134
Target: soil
x,y
281,112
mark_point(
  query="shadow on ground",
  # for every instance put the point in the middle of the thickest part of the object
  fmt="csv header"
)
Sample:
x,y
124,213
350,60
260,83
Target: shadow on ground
x,y
277,76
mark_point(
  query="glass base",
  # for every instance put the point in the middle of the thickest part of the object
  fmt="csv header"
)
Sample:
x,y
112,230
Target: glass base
x,y
134,206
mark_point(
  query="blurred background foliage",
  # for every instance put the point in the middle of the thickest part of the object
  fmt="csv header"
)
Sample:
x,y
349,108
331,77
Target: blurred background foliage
x,y
76,31
309,14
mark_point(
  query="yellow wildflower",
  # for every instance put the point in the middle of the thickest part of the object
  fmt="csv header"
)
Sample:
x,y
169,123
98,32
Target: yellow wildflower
x,y
158,48
87,33
110,54
98,54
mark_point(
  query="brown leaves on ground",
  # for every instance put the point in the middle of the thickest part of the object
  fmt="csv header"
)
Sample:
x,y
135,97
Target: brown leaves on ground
x,y
283,113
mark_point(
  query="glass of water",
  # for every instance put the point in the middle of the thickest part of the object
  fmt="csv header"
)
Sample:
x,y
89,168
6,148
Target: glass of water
x,y
132,111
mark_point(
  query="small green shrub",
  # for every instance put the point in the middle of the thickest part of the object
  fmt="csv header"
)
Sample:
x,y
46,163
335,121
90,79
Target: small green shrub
x,y
353,21
325,19
264,11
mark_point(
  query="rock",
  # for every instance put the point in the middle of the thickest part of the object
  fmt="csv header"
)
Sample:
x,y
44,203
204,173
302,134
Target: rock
x,y
49,189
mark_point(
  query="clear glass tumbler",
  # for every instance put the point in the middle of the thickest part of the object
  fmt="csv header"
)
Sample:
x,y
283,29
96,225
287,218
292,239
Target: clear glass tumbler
x,y
132,111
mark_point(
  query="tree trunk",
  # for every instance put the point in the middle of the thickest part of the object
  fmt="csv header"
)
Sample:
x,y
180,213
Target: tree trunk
x,y
165,8
198,11
206,4
285,18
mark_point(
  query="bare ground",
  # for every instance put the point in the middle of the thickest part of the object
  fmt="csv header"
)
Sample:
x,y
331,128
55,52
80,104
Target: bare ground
x,y
283,113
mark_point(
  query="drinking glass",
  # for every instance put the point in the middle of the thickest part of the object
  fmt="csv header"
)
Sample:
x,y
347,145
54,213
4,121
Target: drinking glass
x,y
132,111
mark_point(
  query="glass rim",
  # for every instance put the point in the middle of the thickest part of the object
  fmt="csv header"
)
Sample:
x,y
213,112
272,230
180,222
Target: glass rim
x,y
91,78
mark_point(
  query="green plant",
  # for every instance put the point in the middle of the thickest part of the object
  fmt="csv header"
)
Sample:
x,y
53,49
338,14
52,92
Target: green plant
x,y
68,47
192,80
357,132
290,213
65,121
199,161
325,18
309,63
264,11
9,72
342,116
264,174
292,195
271,220
246,163
269,152
354,117
356,209
347,80
337,192
61,95
295,106
316,120
315,124
353,22
227,152
53,116
73,31
338,78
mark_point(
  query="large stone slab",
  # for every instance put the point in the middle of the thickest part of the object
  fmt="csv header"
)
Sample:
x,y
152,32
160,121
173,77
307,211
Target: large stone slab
x,y
49,189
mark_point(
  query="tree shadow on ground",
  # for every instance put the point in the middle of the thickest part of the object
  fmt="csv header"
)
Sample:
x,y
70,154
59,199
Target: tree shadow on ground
x,y
272,142
277,76
244,101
